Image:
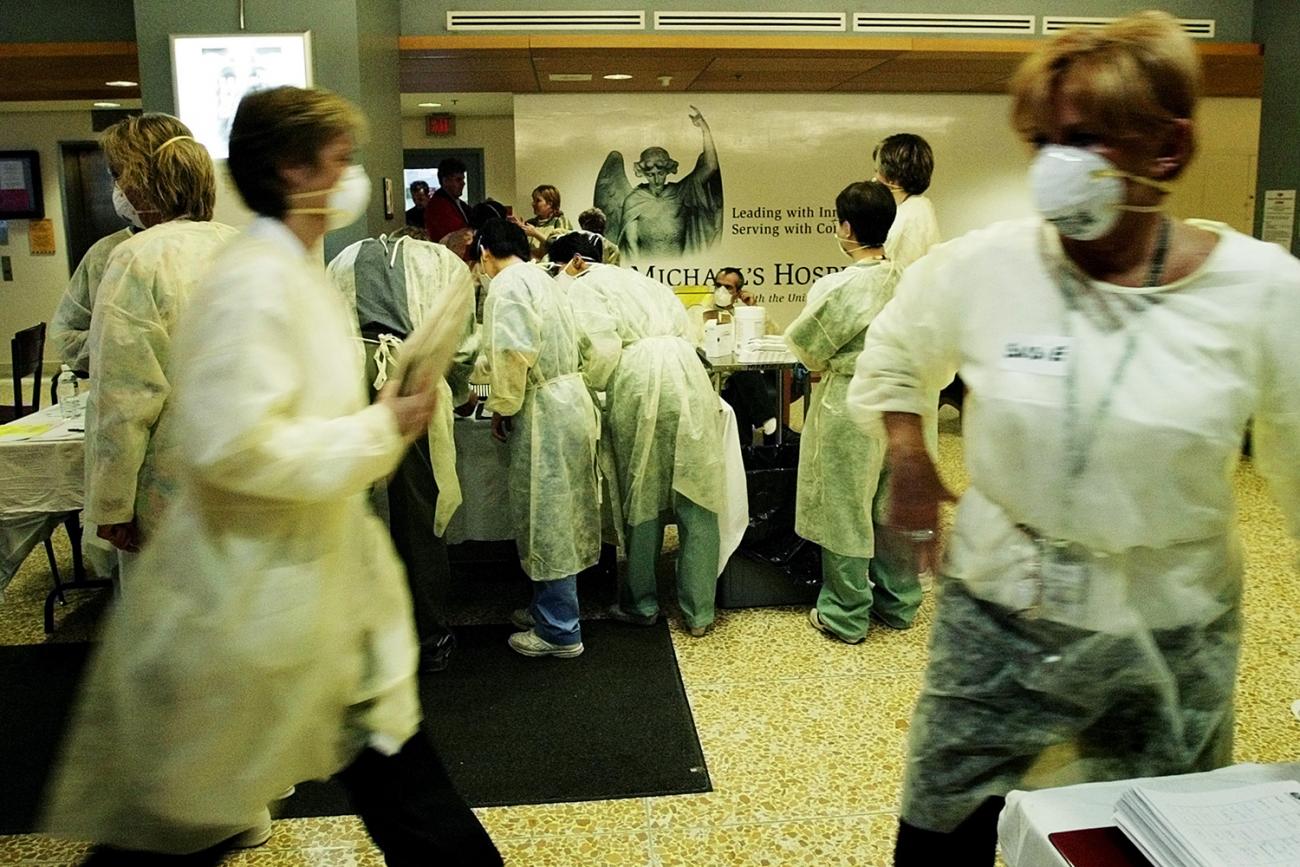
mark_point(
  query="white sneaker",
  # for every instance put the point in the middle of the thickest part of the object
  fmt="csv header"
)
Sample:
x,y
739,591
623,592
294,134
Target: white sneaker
x,y
531,644
815,619
255,835
522,618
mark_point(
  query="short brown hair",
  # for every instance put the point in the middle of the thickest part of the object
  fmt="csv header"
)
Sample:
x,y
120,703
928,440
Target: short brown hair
x,y
593,220
548,194
154,156
905,159
1133,77
280,127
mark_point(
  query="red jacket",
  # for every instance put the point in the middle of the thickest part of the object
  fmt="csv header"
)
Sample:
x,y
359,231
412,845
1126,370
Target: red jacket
x,y
444,215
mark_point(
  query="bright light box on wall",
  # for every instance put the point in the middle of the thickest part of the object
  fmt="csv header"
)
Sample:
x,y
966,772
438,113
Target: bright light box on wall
x,y
212,74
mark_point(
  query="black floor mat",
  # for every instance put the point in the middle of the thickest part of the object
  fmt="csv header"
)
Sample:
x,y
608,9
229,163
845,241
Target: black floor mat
x,y
612,723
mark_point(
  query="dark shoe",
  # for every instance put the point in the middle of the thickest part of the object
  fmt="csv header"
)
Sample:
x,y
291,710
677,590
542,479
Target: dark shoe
x,y
436,655
616,613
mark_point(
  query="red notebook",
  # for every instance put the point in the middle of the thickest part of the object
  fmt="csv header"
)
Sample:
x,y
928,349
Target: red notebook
x,y
1098,847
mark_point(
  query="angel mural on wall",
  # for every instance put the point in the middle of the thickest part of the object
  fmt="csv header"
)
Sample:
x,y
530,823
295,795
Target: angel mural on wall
x,y
659,217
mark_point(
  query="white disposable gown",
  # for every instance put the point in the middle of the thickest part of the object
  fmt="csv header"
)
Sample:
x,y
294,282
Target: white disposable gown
x,y
839,462
1101,430
531,356
276,638
147,283
70,327
914,231
660,408
430,272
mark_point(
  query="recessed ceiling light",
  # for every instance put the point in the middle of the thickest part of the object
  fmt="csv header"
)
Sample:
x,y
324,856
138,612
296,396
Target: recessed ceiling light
x,y
617,76
430,105
570,76
122,83
108,105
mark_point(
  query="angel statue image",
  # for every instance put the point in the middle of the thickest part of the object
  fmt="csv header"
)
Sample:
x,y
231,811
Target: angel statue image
x,y
659,217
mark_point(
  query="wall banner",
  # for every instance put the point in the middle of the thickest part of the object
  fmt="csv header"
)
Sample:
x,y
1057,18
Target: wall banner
x,y
695,182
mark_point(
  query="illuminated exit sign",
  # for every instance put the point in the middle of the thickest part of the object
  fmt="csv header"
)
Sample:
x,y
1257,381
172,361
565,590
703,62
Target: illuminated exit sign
x,y
440,124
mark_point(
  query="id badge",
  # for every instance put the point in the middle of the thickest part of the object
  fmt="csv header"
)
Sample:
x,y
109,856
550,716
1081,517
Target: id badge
x,y
1065,576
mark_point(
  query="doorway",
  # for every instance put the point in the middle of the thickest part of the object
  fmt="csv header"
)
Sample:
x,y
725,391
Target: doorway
x,y
422,165
87,198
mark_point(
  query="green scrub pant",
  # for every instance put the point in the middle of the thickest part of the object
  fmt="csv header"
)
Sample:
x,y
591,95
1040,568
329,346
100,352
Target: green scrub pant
x,y
854,588
697,563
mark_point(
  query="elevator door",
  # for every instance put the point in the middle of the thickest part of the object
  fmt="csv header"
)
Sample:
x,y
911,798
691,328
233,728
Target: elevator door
x,y
87,198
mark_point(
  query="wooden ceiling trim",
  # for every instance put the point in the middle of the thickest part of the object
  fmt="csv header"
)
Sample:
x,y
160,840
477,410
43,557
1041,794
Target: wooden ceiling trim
x,y
69,49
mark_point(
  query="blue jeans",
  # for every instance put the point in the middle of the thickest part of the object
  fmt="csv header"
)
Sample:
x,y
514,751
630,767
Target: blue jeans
x,y
555,611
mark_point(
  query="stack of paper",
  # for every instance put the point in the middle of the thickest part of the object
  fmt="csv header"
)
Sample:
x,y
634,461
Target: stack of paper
x,y
1245,826
764,350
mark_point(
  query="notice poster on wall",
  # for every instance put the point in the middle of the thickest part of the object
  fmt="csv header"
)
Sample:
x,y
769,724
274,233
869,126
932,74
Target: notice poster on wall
x,y
696,182
1279,217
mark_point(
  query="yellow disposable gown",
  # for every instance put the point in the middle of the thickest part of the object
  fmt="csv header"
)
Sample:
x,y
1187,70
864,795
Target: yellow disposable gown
x,y
275,640
146,285
531,356
660,408
839,462
431,273
70,328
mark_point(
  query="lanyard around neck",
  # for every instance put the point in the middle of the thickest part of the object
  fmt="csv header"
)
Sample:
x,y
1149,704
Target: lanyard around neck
x,y
1081,435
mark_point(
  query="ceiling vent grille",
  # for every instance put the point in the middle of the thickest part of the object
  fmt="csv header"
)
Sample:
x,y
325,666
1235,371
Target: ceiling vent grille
x,y
906,22
818,22
546,20
1199,28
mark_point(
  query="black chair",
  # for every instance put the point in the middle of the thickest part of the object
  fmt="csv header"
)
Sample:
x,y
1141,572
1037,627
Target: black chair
x,y
26,354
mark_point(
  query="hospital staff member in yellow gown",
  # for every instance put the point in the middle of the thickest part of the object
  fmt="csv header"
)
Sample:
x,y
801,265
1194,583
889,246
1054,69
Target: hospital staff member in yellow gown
x,y
839,462
394,283
540,405
168,178
664,424
275,642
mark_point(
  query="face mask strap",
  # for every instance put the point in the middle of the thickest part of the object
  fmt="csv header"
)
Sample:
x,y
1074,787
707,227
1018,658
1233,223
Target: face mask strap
x,y
174,138
1137,179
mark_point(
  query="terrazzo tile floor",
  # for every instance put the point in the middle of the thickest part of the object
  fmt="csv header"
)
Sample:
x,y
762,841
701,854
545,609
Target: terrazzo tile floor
x,y
804,736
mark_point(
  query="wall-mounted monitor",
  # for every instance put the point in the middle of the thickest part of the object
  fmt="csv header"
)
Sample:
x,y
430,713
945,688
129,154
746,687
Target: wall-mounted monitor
x,y
211,74
20,186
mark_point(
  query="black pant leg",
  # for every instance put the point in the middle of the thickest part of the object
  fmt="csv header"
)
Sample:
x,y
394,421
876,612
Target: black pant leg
x,y
412,499
973,843
413,812
753,397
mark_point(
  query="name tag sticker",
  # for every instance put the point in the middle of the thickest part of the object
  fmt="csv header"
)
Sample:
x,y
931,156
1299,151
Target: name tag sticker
x,y
1045,356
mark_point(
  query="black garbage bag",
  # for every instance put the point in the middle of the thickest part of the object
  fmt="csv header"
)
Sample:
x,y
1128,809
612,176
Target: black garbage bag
x,y
773,565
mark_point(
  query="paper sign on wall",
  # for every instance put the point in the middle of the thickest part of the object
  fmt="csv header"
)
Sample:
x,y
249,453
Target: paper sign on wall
x,y
1279,217
40,237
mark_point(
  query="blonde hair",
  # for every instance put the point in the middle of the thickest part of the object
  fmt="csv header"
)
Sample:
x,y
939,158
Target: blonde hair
x,y
155,157
280,127
1134,77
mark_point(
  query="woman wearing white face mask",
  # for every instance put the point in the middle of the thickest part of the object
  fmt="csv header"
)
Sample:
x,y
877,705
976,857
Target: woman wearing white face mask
x,y
1090,590
840,463
275,641
166,182
663,428
541,407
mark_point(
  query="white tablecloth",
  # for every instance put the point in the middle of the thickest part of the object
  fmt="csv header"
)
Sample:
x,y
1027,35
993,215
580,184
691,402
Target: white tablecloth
x,y
1030,816
39,479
